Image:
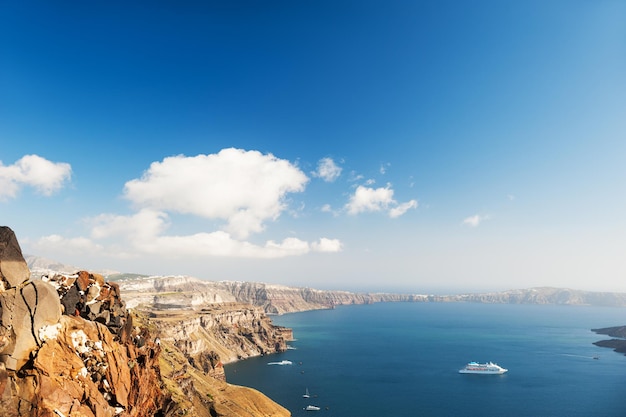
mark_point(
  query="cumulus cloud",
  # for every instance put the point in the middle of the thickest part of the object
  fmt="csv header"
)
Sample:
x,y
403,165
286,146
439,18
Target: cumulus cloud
x,y
475,220
44,176
243,188
366,199
327,170
370,199
143,232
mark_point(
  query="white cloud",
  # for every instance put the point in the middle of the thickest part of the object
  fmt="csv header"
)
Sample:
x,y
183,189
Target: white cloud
x,y
327,208
475,220
222,244
79,245
34,171
327,245
244,188
141,234
366,199
327,170
402,208
141,226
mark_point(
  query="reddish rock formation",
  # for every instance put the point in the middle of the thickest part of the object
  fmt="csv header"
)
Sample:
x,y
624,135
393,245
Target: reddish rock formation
x,y
70,348
90,361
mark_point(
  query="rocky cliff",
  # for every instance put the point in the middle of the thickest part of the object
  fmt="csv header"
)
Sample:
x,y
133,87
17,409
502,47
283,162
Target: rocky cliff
x,y
196,345
546,295
69,347
176,292
186,292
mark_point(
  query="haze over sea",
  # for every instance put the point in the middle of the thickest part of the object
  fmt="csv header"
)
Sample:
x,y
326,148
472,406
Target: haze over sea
x,y
402,359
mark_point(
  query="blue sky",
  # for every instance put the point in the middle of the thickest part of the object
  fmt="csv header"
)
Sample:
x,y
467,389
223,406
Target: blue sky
x,y
399,145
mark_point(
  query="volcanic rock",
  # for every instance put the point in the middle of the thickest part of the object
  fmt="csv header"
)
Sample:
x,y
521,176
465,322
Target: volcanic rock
x,y
70,348
81,363
13,268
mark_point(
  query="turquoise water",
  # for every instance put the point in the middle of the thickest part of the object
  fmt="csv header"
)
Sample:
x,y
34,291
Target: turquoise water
x,y
401,359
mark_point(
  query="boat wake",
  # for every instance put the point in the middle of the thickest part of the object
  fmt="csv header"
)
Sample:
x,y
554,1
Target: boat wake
x,y
579,356
280,363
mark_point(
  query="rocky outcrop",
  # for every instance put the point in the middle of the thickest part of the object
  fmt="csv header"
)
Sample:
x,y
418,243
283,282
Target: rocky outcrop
x,y
197,343
69,347
617,331
59,358
619,344
25,310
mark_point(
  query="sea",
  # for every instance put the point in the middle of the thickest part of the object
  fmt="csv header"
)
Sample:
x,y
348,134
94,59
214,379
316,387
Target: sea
x,y
402,359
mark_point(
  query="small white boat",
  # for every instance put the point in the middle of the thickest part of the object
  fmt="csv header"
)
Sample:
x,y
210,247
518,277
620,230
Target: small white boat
x,y
312,408
306,394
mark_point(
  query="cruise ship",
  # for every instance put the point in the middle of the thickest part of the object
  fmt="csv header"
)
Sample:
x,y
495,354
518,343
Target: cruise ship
x,y
482,368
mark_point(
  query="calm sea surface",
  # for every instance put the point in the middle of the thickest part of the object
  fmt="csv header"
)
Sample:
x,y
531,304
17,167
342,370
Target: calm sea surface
x,y
401,359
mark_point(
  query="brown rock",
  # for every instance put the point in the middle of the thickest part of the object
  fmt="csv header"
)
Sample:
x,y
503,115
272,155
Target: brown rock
x,y
5,389
83,280
25,310
99,279
13,267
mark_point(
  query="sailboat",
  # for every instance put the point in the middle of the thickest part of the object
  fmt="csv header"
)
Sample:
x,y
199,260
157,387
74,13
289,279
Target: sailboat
x,y
306,394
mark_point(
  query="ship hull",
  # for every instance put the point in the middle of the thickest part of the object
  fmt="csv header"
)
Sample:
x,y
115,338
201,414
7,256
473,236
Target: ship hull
x,y
499,372
483,369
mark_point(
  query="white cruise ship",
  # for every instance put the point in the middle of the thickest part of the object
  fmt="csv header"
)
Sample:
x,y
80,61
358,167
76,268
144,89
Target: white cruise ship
x,y
482,368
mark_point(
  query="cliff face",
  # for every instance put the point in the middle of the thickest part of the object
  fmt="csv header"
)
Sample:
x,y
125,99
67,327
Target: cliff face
x,y
192,293
546,295
227,331
173,293
196,344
